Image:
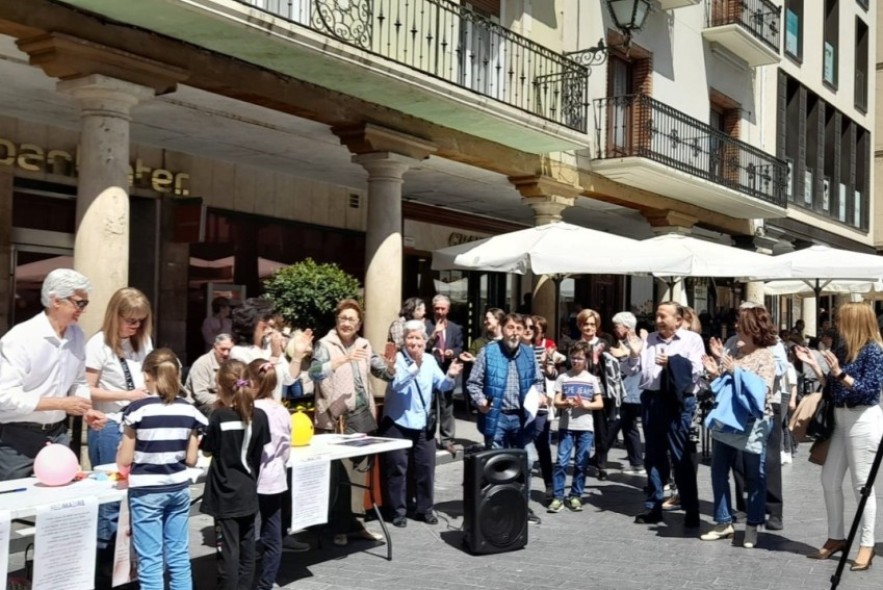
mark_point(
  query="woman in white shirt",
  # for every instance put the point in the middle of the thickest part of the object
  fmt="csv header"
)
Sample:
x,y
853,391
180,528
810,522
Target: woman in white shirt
x,y
113,371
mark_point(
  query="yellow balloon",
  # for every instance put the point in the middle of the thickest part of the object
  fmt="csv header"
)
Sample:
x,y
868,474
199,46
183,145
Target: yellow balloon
x,y
301,429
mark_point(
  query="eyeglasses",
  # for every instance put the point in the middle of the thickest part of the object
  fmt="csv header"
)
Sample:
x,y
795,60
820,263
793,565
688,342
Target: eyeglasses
x,y
347,320
79,303
133,321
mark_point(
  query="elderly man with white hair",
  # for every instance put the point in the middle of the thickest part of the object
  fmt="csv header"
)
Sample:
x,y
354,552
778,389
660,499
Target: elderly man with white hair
x,y
406,415
43,375
624,324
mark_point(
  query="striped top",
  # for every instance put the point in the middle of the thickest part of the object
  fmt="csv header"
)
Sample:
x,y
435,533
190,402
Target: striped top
x,y
161,435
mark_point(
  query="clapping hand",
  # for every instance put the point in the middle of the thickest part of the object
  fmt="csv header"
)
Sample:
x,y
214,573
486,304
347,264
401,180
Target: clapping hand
x,y
303,343
635,343
716,347
710,366
455,368
833,362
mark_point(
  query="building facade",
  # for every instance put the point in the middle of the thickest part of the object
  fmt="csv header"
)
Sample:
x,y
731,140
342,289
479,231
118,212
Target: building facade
x,y
194,146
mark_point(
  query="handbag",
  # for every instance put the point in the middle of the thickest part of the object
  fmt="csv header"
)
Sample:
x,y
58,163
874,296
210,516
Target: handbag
x,y
818,453
358,421
806,409
821,426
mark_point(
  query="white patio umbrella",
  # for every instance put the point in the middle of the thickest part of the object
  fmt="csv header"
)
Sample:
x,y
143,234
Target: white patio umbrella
x,y
557,249
823,262
710,259
860,289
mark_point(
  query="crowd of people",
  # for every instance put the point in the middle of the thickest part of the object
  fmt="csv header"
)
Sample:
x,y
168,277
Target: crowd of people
x,y
518,381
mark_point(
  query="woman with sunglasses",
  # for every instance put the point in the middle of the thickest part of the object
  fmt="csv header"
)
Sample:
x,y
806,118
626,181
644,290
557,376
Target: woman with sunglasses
x,y
113,371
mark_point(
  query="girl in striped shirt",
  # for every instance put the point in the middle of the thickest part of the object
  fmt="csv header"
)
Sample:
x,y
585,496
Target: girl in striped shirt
x,y
159,442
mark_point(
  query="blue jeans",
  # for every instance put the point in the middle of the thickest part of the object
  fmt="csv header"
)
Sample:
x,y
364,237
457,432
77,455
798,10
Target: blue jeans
x,y
723,457
271,538
103,445
510,433
159,530
566,440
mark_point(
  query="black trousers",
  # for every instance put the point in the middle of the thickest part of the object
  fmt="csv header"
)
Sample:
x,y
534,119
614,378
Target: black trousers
x,y
629,414
236,554
543,445
602,421
419,460
443,413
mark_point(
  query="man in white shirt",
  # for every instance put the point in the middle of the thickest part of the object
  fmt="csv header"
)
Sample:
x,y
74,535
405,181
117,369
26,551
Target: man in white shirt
x,y
668,414
201,383
43,375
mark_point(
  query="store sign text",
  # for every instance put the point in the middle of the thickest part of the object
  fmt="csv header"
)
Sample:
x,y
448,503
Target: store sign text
x,y
458,238
33,158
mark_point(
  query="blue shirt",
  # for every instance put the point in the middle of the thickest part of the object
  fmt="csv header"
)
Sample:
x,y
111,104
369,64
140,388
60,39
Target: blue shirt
x,y
867,374
409,395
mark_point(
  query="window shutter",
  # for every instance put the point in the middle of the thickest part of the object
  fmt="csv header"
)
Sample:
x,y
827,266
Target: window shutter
x,y
491,7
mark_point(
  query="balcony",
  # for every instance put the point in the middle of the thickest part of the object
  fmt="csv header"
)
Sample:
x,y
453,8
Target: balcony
x,y
671,4
747,28
649,145
437,60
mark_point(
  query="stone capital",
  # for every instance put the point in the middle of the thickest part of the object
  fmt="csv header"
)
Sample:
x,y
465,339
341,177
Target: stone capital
x,y
544,186
67,57
103,96
668,221
762,244
369,138
385,165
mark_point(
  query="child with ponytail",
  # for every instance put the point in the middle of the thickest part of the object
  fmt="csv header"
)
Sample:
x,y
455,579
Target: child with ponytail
x,y
159,442
235,438
272,482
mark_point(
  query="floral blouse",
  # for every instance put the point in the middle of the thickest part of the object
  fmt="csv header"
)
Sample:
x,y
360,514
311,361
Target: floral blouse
x,y
867,373
762,363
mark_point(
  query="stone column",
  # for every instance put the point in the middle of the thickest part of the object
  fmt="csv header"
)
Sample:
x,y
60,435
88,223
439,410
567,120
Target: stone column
x,y
670,222
101,247
386,155
548,198
6,291
383,241
809,312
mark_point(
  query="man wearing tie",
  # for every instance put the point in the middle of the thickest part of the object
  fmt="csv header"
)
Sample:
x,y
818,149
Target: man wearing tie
x,y
445,343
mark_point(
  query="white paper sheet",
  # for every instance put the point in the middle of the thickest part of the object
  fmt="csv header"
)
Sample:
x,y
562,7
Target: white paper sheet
x,y
532,403
5,528
122,553
64,545
310,492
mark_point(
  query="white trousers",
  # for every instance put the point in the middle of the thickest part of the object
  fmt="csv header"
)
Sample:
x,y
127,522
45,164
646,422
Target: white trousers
x,y
857,435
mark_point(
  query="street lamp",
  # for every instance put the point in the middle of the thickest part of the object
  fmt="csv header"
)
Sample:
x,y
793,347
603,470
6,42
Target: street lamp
x,y
629,17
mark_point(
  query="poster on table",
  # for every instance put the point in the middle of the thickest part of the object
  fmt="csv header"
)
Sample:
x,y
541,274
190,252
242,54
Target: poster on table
x,y
310,489
123,565
65,544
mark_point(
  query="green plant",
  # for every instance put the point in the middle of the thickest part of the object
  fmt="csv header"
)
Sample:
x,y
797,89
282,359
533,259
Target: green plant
x,y
306,293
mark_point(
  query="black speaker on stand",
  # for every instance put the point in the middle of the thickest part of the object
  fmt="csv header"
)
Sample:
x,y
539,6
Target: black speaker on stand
x,y
496,485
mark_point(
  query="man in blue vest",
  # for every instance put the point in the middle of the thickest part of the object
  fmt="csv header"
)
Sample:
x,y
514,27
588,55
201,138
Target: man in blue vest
x,y
504,375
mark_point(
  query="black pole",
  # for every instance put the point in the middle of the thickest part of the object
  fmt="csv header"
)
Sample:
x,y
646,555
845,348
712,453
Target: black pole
x,y
865,492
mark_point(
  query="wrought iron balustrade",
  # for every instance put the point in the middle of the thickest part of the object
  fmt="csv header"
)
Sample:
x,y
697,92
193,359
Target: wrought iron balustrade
x,y
761,18
453,42
638,125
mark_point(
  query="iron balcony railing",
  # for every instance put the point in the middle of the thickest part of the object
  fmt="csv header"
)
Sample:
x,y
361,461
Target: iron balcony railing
x,y
452,42
761,18
638,125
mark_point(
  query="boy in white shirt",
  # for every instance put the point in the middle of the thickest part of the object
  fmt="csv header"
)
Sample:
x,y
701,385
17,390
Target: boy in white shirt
x,y
577,393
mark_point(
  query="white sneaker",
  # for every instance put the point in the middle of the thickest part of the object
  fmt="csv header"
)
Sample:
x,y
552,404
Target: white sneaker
x,y
750,540
721,531
786,458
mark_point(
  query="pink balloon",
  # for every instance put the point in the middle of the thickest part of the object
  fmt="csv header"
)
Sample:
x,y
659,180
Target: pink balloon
x,y
56,465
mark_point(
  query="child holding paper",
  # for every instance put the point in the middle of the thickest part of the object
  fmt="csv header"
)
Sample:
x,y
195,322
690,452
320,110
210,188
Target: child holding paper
x,y
272,483
577,393
162,429
235,439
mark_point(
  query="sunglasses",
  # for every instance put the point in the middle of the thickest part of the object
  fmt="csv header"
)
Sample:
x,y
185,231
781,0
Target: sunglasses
x,y
133,321
79,303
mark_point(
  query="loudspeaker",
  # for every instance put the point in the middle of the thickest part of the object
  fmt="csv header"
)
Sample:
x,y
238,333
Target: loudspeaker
x,y
496,484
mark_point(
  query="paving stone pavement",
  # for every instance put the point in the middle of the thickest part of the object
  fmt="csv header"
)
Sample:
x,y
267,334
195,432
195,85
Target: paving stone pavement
x,y
598,548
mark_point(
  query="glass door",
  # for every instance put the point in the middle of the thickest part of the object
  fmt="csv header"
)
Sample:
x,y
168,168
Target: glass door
x,y
30,266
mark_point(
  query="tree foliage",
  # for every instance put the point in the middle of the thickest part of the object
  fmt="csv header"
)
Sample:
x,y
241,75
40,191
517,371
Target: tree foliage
x,y
306,293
